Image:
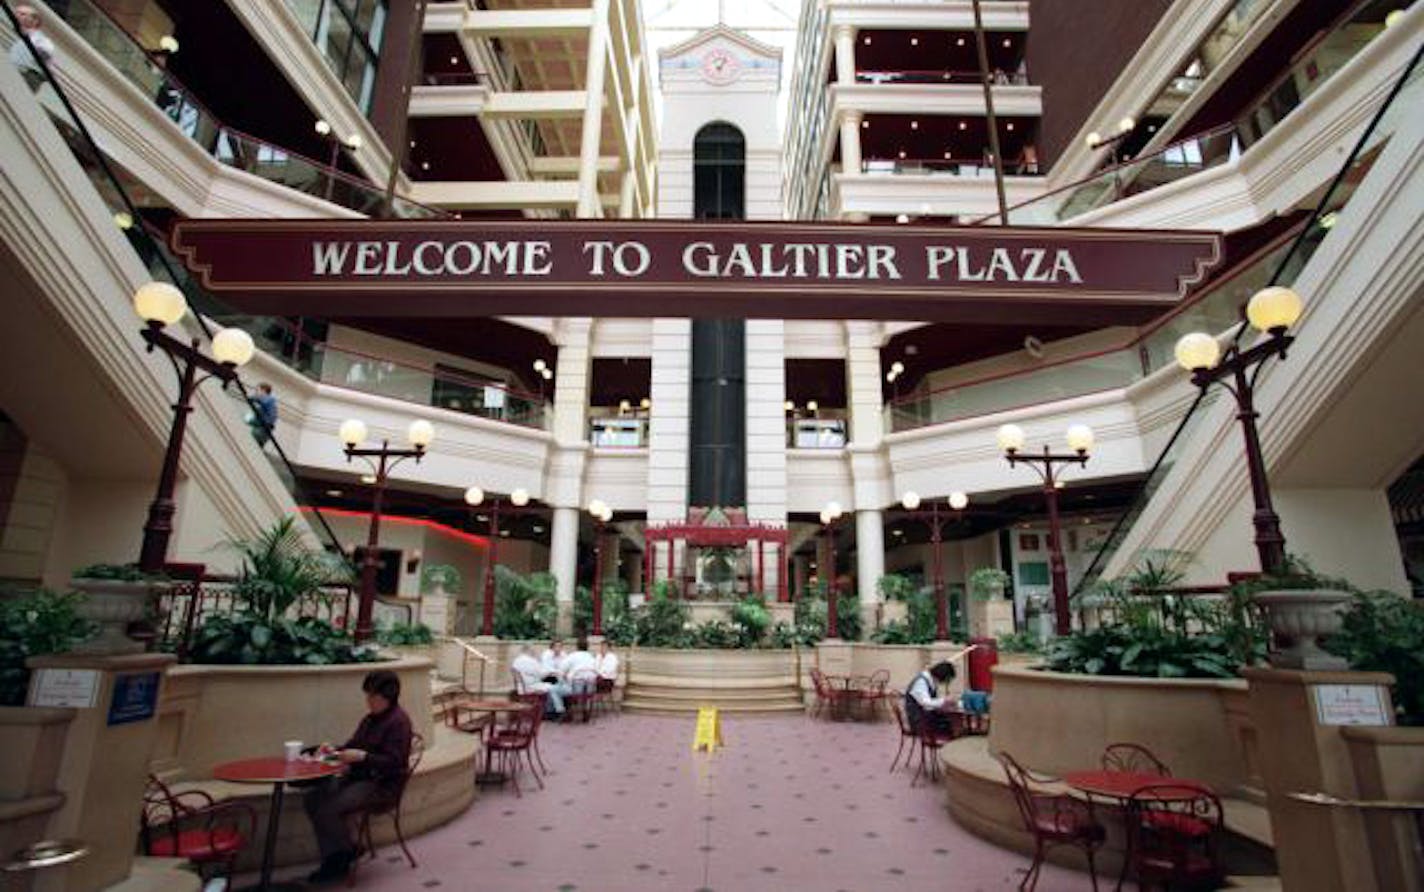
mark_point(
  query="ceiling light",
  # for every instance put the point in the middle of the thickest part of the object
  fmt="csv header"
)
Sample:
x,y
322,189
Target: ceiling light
x,y
867,40
914,41
123,219
412,143
946,156
963,125
1008,42
902,153
538,528
334,493
368,478
454,60
959,42
902,218
914,125
865,124
425,165
1009,126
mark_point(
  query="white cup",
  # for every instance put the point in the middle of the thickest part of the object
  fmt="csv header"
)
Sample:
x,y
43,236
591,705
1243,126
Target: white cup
x,y
293,749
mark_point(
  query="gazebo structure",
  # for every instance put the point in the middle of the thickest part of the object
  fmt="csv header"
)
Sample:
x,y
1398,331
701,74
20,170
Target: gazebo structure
x,y
717,528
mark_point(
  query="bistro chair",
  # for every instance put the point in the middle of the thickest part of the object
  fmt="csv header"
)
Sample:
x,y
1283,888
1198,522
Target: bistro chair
x,y
1052,820
1174,830
385,804
873,693
906,732
517,738
191,825
1134,758
538,702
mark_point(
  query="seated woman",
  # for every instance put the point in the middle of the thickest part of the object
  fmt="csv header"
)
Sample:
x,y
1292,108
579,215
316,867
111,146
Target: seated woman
x,y
376,756
923,703
607,666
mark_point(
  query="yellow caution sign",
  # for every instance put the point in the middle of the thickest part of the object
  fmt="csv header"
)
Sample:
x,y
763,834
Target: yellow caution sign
x,y
709,730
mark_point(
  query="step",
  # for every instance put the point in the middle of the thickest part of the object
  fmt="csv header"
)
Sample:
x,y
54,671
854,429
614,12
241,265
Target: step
x,y
671,707
639,679
734,694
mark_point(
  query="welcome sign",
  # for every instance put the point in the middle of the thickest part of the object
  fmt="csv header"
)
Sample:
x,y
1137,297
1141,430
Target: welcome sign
x,y
692,268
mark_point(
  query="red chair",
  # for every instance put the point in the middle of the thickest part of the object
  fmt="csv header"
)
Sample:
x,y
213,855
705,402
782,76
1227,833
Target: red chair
x,y
583,697
191,825
388,804
933,735
837,699
872,693
538,702
1052,820
1135,758
906,732
507,743
1174,831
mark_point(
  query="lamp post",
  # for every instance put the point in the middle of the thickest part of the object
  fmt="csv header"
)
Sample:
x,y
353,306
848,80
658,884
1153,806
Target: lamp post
x,y
160,305
352,142
546,374
1080,440
602,514
474,496
957,503
381,460
1097,141
830,515
1271,310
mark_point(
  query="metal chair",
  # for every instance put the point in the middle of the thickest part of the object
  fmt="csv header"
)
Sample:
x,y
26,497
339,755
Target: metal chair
x,y
385,804
514,739
906,732
167,827
1174,830
1052,820
1135,758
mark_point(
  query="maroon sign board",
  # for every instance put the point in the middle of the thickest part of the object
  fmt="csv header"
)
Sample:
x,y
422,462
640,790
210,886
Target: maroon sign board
x,y
458,268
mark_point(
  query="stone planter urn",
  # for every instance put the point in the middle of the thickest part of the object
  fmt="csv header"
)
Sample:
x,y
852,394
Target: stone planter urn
x,y
112,604
1298,619
990,619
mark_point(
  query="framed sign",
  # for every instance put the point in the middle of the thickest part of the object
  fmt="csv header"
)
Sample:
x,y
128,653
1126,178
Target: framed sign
x,y
73,688
135,697
1351,704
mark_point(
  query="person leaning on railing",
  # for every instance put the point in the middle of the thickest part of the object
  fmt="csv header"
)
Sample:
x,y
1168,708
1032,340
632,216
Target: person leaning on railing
x,y
32,26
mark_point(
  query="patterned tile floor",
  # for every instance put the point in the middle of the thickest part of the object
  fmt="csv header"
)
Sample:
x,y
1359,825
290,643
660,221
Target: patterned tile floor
x,y
789,803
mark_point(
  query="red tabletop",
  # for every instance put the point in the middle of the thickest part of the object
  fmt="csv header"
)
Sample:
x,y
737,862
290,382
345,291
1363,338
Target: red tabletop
x,y
493,705
274,770
1122,784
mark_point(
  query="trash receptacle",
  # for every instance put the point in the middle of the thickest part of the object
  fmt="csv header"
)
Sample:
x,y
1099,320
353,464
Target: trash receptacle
x,y
981,660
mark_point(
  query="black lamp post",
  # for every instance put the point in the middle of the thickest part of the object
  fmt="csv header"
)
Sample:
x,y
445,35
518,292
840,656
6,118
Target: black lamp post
x,y
936,520
1080,440
1271,310
159,305
474,496
830,516
381,460
602,514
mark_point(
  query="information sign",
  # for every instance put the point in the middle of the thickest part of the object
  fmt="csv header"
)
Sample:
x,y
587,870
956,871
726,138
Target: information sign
x,y
72,688
1351,704
135,697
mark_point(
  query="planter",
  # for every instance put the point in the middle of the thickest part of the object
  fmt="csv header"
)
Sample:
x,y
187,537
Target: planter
x,y
1298,620
990,619
112,604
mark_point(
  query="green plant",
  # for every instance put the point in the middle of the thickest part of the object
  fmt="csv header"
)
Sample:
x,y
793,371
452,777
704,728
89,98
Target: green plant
x,y
718,634
524,606
810,615
280,572
896,587
987,583
405,635
751,620
614,595
662,621
118,573
918,626
1154,651
248,639
1383,632
34,623
1296,573
442,575
1019,643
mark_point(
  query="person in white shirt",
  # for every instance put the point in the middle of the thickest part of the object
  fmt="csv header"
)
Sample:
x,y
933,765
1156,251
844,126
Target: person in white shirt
x,y
529,679
581,669
20,56
606,666
923,701
553,661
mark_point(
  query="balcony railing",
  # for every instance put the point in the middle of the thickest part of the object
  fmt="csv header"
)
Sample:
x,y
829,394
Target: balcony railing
x,y
618,432
1024,165
231,147
943,76
816,433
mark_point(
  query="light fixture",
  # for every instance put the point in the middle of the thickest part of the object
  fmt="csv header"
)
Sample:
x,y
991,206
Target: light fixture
x,y
867,40
368,478
902,218
519,498
789,406
645,404
914,41
947,156
547,374
540,365
159,303
1197,350
322,127
354,142
420,433
865,124
834,509
474,495
959,41
1327,220
1008,43
168,44
123,219
963,125
911,500
597,507
1009,126
1011,437
958,500
233,346
1126,125
353,433
1393,17
334,493
914,125
624,406
1080,438
897,367
812,406
425,165
1093,139
902,153
1274,309
454,60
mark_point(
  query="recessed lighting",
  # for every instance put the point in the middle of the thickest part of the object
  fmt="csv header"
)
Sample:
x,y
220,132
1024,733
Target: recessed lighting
x,y
902,218
1009,126
914,125
333,493
538,529
867,40
912,350
412,143
454,60
914,41
504,534
959,42
963,125
902,153
425,165
947,156
368,478
864,124
897,532
482,517
1008,42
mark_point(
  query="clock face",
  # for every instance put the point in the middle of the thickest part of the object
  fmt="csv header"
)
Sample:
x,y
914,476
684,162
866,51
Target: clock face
x,y
720,67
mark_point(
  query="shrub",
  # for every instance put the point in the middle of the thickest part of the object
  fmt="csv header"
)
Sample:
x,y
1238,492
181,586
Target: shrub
x,y
718,634
524,606
405,635
1384,632
1019,643
248,639
662,621
751,619
31,624
986,583
118,573
1146,651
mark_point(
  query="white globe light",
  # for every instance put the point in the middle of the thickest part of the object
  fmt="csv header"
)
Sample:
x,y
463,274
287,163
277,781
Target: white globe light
x,y
624,405
1011,437
789,406
519,498
1080,437
547,374
322,127
1093,139
352,432
645,403
233,345
958,500
168,44
1197,350
1393,17
420,433
825,516
911,500
354,142
1274,308
812,406
897,367
539,365
834,509
1126,125
474,495
597,507
606,515
124,220
159,302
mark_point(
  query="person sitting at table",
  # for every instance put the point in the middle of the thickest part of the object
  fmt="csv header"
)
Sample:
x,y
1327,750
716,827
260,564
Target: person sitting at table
x,y
376,757
553,661
606,666
923,703
581,669
529,675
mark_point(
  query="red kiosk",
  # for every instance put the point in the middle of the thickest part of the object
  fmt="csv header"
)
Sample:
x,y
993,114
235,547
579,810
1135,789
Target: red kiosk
x,y
717,528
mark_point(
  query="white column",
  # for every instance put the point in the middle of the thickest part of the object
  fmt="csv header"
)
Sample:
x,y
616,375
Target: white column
x,y
571,382
863,384
627,194
563,561
845,54
766,433
850,142
869,558
590,142
668,428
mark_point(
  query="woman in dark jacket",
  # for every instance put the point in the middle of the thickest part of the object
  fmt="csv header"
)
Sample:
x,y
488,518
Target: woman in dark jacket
x,y
376,756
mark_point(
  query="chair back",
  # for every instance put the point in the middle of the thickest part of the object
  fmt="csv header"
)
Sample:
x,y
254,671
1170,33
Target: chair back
x,y
878,680
517,681
161,809
818,681
1174,829
905,729
412,762
1135,758
1020,787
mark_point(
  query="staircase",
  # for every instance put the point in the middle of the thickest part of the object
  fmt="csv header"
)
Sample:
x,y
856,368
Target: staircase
x,y
739,682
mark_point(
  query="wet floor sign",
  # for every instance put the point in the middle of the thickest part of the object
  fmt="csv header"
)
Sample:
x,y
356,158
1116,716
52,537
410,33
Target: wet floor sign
x,y
709,730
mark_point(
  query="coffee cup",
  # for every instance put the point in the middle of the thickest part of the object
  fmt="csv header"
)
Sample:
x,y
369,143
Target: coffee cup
x,y
293,749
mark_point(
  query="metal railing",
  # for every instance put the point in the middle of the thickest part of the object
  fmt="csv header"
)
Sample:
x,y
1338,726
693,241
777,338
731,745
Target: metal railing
x,y
998,78
1023,165
468,650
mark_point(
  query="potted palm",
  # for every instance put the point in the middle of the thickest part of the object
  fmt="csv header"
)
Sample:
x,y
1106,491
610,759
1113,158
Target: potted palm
x,y
115,596
1302,608
990,613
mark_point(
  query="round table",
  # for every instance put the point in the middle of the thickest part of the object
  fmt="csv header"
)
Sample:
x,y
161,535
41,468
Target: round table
x,y
278,772
1122,784
488,776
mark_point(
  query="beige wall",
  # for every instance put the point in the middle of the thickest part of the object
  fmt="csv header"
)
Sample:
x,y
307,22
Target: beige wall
x,y
27,531
436,544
